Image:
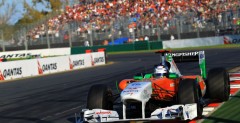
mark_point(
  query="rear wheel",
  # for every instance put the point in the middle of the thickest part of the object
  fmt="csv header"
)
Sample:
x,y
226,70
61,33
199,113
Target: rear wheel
x,y
100,96
218,84
188,92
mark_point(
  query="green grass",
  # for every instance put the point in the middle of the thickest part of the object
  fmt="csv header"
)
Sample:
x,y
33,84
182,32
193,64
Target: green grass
x,y
229,112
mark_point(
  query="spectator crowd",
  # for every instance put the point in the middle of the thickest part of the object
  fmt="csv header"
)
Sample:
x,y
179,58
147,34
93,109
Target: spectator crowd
x,y
101,14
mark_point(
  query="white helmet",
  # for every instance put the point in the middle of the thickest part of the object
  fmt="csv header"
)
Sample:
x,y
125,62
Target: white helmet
x,y
161,71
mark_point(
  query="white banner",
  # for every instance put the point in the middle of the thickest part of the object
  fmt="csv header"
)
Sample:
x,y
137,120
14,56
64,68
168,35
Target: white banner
x,y
210,41
54,64
18,69
98,58
40,52
33,67
80,61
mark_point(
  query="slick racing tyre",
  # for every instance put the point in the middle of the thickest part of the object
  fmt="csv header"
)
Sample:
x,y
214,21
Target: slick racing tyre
x,y
218,84
100,96
189,92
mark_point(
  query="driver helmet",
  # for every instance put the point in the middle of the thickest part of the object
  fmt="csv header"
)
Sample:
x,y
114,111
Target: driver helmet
x,y
161,71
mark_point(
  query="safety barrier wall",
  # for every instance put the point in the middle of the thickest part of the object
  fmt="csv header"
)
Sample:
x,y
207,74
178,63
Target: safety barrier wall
x,y
210,41
192,42
33,67
182,43
140,45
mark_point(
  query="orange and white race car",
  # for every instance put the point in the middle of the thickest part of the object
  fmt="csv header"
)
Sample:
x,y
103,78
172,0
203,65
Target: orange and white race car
x,y
163,94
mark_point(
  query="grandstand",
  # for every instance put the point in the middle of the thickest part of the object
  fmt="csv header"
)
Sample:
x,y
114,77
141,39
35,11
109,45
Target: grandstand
x,y
101,20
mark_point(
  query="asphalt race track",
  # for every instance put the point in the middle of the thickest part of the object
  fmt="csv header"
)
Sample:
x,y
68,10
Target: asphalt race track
x,y
56,98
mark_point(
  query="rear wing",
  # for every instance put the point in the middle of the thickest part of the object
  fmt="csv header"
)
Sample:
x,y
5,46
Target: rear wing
x,y
175,57
195,56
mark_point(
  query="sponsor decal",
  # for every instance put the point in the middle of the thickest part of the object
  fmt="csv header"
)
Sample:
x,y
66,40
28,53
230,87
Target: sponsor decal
x,y
40,71
129,91
104,112
49,67
226,40
78,62
169,58
135,84
18,55
12,72
183,54
134,88
1,76
201,56
70,64
99,60
229,40
92,61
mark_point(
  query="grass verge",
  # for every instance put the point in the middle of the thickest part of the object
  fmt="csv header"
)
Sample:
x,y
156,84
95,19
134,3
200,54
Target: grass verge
x,y
229,112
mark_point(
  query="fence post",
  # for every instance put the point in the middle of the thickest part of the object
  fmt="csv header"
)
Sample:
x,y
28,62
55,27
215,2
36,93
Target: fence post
x,y
2,37
158,32
90,35
52,36
198,35
70,35
25,39
48,42
178,29
112,33
133,33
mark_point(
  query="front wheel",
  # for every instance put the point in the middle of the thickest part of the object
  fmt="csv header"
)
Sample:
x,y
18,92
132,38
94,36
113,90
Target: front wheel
x,y
100,96
188,92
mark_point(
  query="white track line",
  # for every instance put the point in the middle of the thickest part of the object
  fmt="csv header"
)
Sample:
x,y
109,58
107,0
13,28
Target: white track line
x,y
59,113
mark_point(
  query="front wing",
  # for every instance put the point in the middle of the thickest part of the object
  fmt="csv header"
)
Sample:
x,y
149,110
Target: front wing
x,y
182,112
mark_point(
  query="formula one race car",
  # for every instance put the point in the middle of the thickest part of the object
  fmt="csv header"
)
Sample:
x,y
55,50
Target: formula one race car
x,y
163,94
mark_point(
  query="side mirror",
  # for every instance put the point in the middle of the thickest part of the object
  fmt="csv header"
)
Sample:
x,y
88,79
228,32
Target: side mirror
x,y
141,76
148,76
138,76
173,75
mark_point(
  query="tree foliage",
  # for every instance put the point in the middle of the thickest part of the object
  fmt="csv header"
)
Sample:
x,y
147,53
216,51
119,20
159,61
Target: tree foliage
x,y
9,10
32,15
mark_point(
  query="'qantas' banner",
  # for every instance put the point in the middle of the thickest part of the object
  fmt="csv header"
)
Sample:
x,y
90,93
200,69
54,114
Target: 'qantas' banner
x,y
231,39
13,70
25,68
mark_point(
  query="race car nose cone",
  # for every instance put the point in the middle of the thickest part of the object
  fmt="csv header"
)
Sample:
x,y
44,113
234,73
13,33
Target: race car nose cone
x,y
139,91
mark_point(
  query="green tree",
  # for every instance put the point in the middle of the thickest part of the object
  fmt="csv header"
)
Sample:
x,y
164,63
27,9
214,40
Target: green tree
x,y
31,15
